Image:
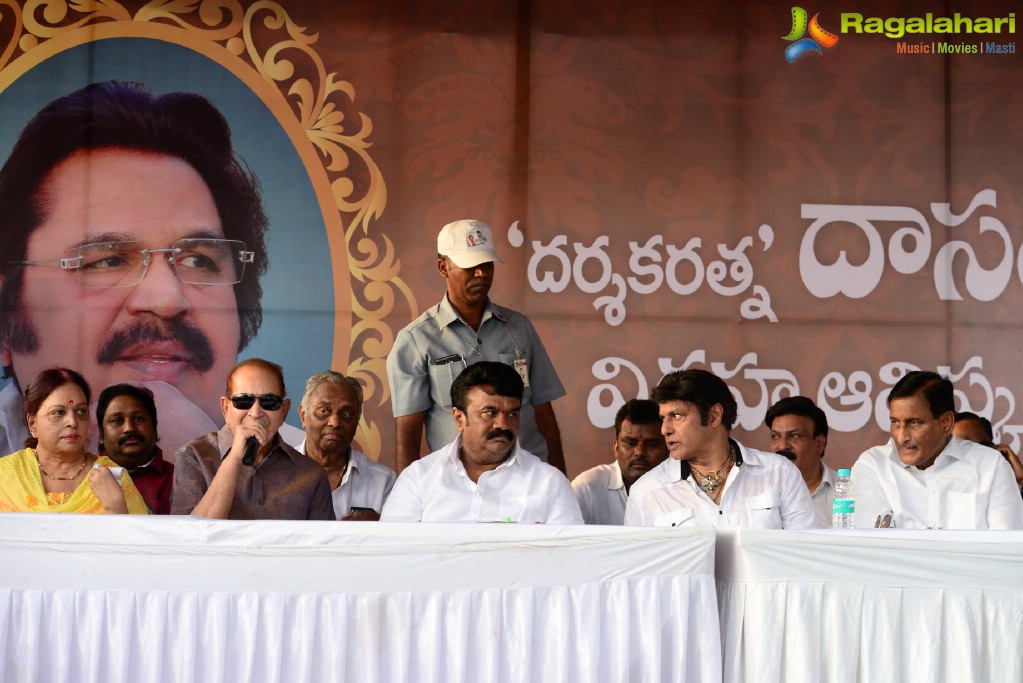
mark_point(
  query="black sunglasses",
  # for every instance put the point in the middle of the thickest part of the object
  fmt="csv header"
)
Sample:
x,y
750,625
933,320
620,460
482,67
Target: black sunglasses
x,y
266,401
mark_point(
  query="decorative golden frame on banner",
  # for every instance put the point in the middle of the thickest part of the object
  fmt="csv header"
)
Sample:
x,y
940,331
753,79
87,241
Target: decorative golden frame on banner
x,y
274,57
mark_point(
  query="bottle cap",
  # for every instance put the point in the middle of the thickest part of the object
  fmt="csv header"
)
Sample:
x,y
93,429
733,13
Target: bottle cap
x,y
843,472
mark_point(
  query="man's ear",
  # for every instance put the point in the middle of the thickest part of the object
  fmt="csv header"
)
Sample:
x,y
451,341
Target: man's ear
x,y
715,414
301,415
225,403
459,418
442,267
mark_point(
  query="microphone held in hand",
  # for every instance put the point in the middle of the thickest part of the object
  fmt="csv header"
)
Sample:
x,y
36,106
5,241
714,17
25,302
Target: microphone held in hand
x,y
249,455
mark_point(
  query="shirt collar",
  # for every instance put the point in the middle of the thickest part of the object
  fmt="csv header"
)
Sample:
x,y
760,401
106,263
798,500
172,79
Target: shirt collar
x,y
157,463
953,449
616,482
451,456
680,470
446,313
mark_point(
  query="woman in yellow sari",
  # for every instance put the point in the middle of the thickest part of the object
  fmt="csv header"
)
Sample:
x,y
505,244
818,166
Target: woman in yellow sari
x,y
54,473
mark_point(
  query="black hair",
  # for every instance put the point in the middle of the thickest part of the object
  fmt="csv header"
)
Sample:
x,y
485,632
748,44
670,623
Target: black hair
x,y
141,394
803,407
935,389
638,411
702,389
125,115
502,377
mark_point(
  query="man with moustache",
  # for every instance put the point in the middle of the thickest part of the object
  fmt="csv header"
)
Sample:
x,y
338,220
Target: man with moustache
x,y
799,432
126,415
132,244
214,475
711,479
484,475
926,479
603,491
466,328
330,411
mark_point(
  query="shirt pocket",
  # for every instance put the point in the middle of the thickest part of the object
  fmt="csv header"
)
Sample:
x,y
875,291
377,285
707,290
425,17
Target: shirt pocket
x,y
441,377
679,517
764,510
966,510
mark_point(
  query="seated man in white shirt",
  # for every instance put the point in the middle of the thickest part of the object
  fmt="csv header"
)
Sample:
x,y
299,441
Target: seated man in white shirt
x,y
711,479
330,411
799,431
926,479
483,475
638,447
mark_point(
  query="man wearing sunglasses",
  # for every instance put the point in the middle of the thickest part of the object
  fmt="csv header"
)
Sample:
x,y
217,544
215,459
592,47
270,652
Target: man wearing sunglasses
x,y
245,470
131,247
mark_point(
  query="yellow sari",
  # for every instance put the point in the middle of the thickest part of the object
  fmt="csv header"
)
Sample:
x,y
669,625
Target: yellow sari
x,y
21,489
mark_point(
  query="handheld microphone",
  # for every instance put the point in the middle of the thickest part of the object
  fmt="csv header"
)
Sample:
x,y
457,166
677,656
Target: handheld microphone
x,y
249,455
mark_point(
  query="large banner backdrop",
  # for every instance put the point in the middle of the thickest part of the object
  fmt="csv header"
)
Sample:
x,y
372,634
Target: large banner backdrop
x,y
802,203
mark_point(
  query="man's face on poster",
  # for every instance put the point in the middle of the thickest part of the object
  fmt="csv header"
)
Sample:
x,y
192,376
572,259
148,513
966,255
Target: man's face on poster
x,y
161,329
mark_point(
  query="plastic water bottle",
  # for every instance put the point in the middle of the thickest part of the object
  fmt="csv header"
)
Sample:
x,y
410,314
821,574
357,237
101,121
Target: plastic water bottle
x,y
845,506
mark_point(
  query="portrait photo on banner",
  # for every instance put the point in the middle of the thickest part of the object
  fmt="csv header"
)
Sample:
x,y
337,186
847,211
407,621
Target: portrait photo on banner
x,y
177,333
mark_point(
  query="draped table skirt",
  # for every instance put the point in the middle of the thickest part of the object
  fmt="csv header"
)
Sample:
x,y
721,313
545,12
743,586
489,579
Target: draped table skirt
x,y
109,599
873,605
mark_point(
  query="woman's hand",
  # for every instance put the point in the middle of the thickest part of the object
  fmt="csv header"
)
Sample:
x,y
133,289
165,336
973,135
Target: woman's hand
x,y
108,490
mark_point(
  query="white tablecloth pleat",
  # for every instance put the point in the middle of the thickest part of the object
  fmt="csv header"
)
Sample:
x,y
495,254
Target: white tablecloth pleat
x,y
884,605
93,599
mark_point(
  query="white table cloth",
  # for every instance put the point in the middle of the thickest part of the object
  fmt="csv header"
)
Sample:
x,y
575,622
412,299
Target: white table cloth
x,y
92,598
874,605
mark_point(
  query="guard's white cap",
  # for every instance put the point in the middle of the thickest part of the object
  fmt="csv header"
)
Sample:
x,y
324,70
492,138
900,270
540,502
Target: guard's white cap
x,y
468,243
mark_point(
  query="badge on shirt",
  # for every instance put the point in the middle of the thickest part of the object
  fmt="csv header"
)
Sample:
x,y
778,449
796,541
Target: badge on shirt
x,y
522,368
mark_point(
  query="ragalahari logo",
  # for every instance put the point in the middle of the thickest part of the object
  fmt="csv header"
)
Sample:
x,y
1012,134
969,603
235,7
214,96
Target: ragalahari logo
x,y
818,38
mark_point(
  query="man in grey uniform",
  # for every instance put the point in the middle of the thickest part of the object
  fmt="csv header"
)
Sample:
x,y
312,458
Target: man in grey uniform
x,y
465,328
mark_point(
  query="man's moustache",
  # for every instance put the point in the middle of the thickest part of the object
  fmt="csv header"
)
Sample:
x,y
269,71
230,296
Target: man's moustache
x,y
130,435
786,453
140,332
495,433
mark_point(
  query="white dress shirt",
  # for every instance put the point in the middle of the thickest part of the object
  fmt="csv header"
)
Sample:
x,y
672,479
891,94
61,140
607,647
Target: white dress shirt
x,y
824,496
969,486
764,491
365,484
521,489
601,494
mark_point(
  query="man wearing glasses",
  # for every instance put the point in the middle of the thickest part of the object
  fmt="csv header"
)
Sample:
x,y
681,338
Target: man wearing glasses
x,y
131,248
245,470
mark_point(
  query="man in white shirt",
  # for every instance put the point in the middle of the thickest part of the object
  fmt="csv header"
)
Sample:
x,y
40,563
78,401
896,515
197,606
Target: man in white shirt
x,y
483,475
799,431
602,491
925,478
330,411
710,479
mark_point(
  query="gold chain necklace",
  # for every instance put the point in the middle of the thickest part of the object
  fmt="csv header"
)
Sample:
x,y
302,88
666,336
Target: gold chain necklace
x,y
77,474
711,482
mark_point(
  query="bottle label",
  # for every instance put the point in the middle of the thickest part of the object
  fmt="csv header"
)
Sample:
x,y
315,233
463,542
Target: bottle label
x,y
844,506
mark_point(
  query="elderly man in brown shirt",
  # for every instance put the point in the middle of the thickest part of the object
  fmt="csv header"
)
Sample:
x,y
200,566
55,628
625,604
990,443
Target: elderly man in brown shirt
x,y
214,478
